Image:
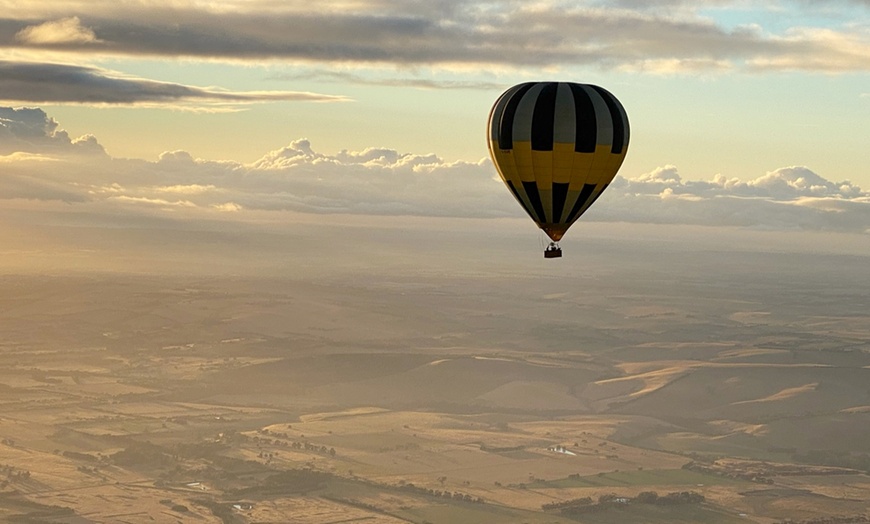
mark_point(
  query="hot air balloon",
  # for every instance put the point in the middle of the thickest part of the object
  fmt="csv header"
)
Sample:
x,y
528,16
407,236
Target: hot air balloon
x,y
556,146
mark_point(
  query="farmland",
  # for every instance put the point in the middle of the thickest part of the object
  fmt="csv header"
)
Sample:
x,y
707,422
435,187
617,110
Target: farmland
x,y
428,396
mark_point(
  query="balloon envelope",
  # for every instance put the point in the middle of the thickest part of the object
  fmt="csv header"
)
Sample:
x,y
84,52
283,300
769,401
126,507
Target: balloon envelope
x,y
557,145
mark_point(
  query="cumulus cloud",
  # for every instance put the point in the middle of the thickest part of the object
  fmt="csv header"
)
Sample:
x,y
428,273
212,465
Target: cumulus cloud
x,y
784,184
675,36
64,31
786,198
35,83
31,130
375,180
41,163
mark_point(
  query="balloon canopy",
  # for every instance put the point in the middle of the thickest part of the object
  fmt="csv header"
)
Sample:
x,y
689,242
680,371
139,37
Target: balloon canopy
x,y
557,145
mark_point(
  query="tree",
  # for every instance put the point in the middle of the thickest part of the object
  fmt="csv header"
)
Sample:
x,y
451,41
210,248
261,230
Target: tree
x,y
647,497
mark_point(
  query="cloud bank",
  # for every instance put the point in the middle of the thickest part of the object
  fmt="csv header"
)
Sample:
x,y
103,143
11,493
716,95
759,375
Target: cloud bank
x,y
786,198
662,36
40,83
40,162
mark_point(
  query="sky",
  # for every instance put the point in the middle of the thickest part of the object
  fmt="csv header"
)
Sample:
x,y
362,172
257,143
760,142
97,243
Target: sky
x,y
750,114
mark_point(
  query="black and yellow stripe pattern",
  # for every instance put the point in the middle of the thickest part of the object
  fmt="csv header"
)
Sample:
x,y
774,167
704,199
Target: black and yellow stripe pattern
x,y
557,145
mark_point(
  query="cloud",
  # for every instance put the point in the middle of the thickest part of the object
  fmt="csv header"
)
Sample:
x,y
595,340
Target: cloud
x,y
189,189
41,163
152,201
64,31
663,36
784,184
40,83
345,77
372,181
31,130
816,49
227,207
786,198
14,186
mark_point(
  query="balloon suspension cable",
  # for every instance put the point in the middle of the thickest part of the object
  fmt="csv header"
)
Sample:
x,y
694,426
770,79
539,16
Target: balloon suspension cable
x,y
553,251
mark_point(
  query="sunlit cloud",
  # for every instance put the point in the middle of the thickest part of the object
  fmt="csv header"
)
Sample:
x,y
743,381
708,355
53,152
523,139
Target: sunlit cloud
x,y
345,77
786,198
663,36
812,49
227,207
31,131
40,83
20,156
787,183
384,181
64,31
674,66
152,201
189,189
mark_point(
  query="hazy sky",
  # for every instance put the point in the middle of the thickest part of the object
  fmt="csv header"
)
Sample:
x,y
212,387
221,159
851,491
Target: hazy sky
x,y
743,112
